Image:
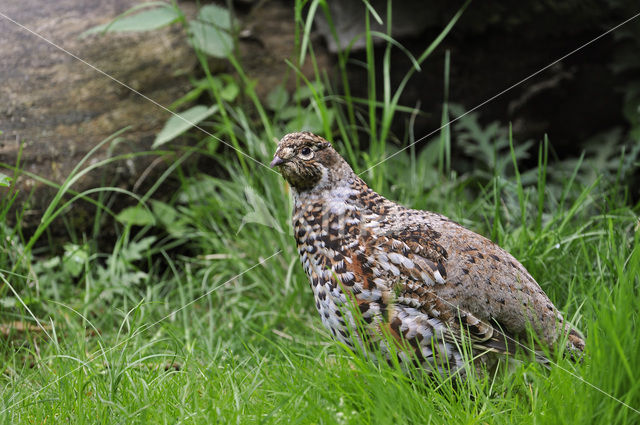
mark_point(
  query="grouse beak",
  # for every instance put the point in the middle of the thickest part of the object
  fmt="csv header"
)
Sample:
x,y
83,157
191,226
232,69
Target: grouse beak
x,y
276,161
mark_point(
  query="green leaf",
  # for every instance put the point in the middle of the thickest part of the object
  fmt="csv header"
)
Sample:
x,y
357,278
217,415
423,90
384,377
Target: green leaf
x,y
5,180
51,263
289,112
277,98
135,251
211,40
178,124
75,257
8,302
169,218
230,92
309,120
306,92
166,213
146,20
216,15
210,32
138,215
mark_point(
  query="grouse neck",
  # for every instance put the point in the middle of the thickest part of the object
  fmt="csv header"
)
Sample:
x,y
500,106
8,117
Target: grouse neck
x,y
343,191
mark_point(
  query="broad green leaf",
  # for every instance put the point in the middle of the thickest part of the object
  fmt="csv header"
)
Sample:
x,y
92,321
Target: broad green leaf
x,y
137,250
146,20
8,302
215,15
5,180
51,263
178,124
230,91
309,120
75,257
169,218
277,98
138,215
166,213
210,38
289,112
306,92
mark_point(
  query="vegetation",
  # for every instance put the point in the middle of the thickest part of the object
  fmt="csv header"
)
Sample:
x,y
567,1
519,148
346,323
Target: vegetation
x,y
201,313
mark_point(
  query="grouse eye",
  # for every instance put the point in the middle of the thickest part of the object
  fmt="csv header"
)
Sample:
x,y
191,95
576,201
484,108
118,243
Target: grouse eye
x,y
306,153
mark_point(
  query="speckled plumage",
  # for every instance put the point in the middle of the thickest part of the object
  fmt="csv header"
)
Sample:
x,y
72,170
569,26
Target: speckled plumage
x,y
415,275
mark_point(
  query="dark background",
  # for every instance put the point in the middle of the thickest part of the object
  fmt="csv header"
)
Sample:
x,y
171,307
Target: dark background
x,y
577,102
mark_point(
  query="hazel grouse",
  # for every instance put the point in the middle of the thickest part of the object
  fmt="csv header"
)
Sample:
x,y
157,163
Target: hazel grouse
x,y
417,276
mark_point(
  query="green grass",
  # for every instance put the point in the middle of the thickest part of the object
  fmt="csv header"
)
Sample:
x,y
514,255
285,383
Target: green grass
x,y
200,311
252,349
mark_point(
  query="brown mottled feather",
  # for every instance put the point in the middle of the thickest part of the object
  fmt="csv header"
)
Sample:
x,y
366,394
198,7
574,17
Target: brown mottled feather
x,y
415,275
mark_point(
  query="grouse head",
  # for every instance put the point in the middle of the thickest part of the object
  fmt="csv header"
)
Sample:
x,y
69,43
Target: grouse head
x,y
309,162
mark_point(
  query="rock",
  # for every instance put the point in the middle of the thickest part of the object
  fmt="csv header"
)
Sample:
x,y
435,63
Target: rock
x,y
59,108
